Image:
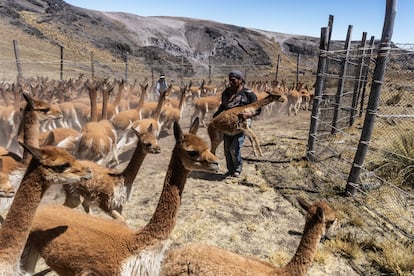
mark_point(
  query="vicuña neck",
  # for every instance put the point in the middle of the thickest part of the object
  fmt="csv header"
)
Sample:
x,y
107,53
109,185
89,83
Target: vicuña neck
x,y
305,253
31,129
165,215
16,227
265,101
131,170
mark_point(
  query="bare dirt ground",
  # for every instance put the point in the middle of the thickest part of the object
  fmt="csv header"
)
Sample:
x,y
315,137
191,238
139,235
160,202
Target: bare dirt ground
x,y
255,214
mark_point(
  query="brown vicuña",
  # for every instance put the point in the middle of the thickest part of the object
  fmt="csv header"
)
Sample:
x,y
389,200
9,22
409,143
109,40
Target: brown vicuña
x,y
48,166
155,119
98,246
205,105
63,137
229,122
34,112
294,97
170,114
6,189
123,119
109,189
10,114
98,139
210,260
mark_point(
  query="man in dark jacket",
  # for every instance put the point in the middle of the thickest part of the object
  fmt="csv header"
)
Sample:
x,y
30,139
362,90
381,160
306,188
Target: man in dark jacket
x,y
235,95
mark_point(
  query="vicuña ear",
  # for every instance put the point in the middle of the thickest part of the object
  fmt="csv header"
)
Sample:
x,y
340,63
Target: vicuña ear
x,y
178,133
28,98
195,125
137,133
35,152
150,128
50,139
303,203
319,214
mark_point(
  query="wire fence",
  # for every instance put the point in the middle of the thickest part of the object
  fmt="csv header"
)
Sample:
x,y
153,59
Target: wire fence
x,y
55,62
386,182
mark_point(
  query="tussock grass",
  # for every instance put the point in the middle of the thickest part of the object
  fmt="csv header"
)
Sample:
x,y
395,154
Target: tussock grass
x,y
394,258
345,244
397,164
279,258
349,214
390,257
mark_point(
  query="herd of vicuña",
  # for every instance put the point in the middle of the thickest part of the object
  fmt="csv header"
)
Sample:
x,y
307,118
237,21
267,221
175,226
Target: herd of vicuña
x,y
74,134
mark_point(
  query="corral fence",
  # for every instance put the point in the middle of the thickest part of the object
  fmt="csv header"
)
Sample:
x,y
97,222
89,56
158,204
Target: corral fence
x,y
60,65
361,131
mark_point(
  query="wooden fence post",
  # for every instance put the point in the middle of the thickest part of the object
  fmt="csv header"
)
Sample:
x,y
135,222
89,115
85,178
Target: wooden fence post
x,y
373,101
18,63
61,62
182,69
330,26
320,79
358,77
340,90
126,66
92,66
365,70
277,67
209,68
297,69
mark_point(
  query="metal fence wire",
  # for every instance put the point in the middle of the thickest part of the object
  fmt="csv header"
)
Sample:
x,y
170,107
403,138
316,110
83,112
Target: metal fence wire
x,y
386,181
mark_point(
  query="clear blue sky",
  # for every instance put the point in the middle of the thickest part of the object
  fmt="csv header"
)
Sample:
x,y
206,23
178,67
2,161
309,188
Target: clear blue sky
x,y
302,17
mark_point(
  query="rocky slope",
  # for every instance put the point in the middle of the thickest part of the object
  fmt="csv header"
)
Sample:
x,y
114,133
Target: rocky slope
x,y
153,40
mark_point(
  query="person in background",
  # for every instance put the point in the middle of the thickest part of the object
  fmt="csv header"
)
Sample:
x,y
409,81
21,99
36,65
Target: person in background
x,y
235,95
160,87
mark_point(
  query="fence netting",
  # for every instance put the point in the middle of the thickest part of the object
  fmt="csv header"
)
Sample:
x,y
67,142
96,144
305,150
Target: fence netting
x,y
387,176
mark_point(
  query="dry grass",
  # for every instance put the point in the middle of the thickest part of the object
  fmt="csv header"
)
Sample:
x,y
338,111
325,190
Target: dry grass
x,y
346,244
394,258
358,241
390,257
397,164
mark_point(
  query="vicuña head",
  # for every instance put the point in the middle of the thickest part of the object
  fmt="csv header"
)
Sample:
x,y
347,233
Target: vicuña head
x,y
48,166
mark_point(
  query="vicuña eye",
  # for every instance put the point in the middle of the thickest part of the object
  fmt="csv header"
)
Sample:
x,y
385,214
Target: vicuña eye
x,y
193,153
62,168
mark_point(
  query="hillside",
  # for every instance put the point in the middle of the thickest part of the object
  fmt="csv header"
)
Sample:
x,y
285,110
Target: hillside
x,y
158,43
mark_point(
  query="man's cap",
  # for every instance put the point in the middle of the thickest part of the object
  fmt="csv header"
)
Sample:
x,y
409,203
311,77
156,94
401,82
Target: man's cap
x,y
236,74
162,76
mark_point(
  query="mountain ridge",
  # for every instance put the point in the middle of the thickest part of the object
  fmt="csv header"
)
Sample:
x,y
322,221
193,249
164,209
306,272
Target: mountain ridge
x,y
156,40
